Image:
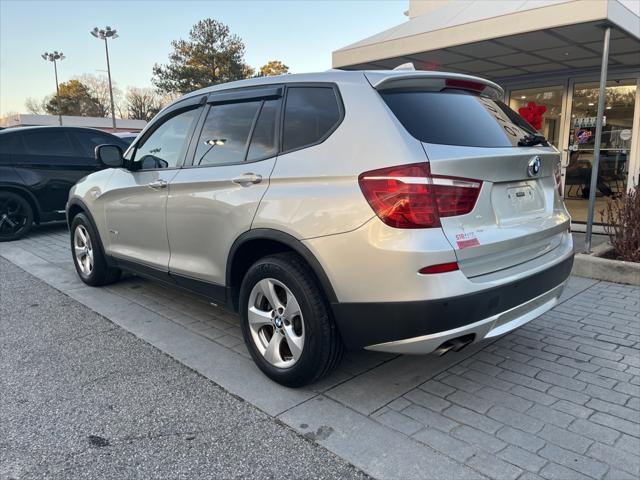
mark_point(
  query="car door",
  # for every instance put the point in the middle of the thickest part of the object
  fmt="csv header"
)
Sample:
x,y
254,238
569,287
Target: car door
x,y
212,201
50,162
136,196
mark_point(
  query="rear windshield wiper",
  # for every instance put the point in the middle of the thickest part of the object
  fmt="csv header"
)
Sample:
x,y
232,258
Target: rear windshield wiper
x,y
533,139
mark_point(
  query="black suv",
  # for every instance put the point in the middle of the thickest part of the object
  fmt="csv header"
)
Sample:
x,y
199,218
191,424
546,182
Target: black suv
x,y
38,166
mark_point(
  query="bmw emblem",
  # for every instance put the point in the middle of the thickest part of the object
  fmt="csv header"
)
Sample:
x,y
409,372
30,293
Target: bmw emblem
x,y
534,166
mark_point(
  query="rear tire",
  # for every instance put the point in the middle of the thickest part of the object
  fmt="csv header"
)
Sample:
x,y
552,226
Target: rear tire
x,y
281,302
16,216
88,257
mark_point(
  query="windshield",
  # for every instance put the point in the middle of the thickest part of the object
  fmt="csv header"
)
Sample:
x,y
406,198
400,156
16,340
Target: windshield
x,y
457,118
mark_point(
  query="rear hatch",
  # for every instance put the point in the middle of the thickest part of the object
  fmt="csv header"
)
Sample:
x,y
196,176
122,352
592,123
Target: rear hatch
x,y
468,133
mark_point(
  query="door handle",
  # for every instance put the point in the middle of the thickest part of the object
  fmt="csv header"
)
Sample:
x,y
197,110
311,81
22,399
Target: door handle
x,y
157,185
247,179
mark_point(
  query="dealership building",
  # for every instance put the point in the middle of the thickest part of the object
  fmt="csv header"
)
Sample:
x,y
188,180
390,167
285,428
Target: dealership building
x,y
548,55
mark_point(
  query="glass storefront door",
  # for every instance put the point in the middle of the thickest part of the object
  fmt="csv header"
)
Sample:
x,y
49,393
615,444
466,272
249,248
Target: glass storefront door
x,y
617,132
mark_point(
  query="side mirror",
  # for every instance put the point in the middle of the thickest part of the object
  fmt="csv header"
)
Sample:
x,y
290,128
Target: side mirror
x,y
109,155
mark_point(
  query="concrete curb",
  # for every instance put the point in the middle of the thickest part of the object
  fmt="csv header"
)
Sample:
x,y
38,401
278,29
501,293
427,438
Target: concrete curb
x,y
594,266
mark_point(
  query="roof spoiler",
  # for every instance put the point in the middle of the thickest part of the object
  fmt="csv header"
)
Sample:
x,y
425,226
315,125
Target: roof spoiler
x,y
432,81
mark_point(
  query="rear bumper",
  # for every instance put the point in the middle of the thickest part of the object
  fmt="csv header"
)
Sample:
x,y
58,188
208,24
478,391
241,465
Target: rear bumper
x,y
422,326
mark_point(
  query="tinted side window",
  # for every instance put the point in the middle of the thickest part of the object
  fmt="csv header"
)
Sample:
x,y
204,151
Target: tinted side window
x,y
263,140
48,143
90,140
225,133
310,113
8,144
166,146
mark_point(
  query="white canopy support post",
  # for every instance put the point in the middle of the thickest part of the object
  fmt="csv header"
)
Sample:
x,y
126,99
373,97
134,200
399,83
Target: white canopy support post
x,y
598,142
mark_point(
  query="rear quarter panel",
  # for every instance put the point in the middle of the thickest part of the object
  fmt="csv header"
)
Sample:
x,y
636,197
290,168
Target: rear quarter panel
x,y
314,191
9,179
9,176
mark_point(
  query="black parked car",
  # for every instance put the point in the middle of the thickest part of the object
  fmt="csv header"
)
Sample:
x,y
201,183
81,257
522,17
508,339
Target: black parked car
x,y
127,137
38,166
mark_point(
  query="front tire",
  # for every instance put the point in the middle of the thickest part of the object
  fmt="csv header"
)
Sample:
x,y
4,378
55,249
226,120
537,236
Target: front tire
x,y
88,257
16,216
286,323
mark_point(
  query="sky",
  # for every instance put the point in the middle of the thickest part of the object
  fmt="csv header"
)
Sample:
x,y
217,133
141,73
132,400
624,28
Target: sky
x,y
300,33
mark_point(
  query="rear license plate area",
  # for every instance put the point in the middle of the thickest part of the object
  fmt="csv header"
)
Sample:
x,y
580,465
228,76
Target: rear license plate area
x,y
521,196
517,200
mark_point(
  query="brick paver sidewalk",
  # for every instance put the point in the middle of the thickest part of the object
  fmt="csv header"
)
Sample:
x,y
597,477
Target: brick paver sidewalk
x,y
558,397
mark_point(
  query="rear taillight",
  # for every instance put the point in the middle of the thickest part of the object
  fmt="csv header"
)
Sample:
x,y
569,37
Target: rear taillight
x,y
464,84
408,196
558,179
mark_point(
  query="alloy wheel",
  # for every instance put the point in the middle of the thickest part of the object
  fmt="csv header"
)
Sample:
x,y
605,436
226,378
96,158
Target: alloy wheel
x,y
83,250
276,323
13,216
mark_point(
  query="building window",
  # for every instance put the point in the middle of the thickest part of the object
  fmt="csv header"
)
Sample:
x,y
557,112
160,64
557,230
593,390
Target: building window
x,y
527,101
615,148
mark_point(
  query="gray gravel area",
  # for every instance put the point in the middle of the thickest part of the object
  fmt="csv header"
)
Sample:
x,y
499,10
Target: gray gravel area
x,y
82,398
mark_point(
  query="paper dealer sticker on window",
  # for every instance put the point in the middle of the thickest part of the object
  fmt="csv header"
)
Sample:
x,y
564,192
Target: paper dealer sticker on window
x,y
466,240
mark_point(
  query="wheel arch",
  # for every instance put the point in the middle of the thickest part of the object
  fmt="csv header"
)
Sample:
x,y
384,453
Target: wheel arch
x,y
28,196
255,244
76,206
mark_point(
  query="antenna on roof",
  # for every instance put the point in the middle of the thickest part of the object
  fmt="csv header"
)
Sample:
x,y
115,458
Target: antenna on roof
x,y
406,66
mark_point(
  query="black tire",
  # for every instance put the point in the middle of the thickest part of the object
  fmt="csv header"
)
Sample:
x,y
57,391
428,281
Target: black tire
x,y
323,347
101,273
16,216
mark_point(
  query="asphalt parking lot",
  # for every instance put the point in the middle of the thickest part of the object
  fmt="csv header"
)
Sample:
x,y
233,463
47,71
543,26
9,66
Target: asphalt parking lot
x,y
558,398
83,398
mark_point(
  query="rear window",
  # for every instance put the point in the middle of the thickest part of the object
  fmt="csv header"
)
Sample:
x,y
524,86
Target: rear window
x,y
90,140
458,119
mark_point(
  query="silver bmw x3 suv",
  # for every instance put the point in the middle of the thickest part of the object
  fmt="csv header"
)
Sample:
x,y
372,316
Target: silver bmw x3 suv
x,y
396,211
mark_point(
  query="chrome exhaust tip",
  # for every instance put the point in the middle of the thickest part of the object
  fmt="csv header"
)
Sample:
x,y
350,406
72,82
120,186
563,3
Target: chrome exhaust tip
x,y
455,344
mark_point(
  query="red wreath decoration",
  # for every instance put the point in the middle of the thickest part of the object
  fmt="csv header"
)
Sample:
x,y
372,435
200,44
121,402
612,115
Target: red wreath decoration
x,y
533,113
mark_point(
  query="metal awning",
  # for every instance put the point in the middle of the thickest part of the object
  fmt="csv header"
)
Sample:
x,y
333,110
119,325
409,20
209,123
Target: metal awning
x,y
503,40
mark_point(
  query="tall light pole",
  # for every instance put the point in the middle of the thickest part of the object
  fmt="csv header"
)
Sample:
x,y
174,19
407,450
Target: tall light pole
x,y
55,57
105,34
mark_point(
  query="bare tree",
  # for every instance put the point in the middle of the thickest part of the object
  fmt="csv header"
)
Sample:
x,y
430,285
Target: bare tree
x,y
35,106
142,103
98,87
122,108
9,119
167,98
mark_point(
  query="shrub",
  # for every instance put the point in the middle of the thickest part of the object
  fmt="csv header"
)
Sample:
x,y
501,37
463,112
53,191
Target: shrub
x,y
621,217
